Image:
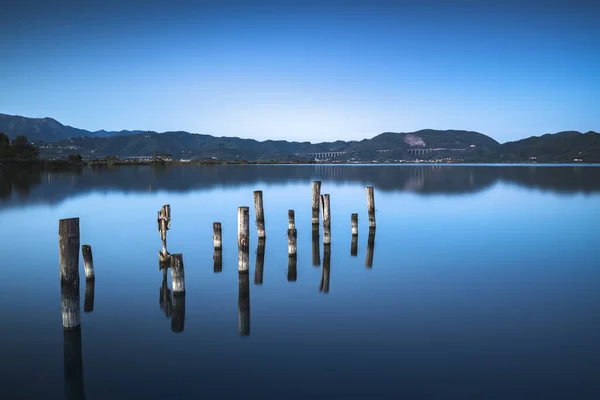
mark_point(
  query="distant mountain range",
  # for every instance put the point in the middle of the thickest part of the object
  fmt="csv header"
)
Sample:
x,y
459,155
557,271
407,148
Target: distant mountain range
x,y
56,140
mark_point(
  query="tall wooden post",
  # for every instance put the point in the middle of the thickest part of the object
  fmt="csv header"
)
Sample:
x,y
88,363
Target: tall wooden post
x,y
243,238
370,248
177,273
291,220
68,244
217,241
260,214
326,272
371,207
326,219
316,198
260,262
316,246
244,305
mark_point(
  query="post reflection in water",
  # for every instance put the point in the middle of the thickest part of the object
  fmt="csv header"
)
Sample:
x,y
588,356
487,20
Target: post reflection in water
x,y
88,304
325,273
260,262
218,259
316,249
178,315
292,272
244,304
73,364
354,246
165,300
370,248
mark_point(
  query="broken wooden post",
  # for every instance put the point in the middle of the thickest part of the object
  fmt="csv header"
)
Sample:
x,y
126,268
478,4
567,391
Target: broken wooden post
x,y
177,273
291,220
260,262
370,248
178,314
316,246
371,206
354,223
316,198
88,302
218,260
326,219
243,238
88,261
73,364
244,305
326,272
260,213
217,242
291,234
164,224
68,244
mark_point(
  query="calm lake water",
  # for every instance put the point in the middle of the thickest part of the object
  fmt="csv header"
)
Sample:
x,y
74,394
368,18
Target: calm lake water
x,y
484,283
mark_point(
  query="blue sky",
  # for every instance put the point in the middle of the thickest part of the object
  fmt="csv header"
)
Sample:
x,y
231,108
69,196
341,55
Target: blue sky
x,y
304,70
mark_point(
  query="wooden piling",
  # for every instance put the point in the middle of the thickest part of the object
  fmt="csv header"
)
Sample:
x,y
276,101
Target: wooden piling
x,y
370,248
178,314
326,219
371,206
354,246
218,260
354,223
316,246
88,261
73,364
68,244
260,214
88,303
177,273
217,241
316,198
326,272
292,271
243,238
292,248
260,262
164,224
291,220
244,305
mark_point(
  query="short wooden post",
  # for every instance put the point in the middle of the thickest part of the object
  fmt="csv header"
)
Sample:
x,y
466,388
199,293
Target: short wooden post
x,y
165,300
316,198
88,303
244,305
292,272
68,244
371,206
354,246
292,248
178,315
260,262
88,261
177,273
326,272
243,238
316,246
291,220
73,364
164,224
217,242
260,213
218,260
326,219
370,248
354,223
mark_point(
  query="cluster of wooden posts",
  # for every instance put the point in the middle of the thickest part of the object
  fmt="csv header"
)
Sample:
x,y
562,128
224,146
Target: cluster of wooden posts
x,y
69,257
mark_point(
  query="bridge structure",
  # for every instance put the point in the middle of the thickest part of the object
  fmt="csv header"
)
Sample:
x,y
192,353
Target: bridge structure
x,y
429,150
327,155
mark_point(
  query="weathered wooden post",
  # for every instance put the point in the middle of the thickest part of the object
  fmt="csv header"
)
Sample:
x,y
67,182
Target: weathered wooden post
x,y
243,238
260,214
291,220
354,223
371,206
68,244
177,273
326,272
218,260
244,305
178,315
88,261
326,219
88,303
260,262
316,198
164,224
316,246
370,248
73,365
217,242
291,234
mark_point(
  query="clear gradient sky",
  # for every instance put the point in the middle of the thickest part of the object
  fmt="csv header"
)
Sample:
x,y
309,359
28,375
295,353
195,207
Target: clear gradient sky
x,y
304,70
